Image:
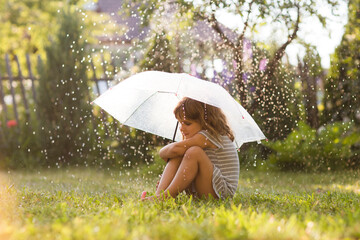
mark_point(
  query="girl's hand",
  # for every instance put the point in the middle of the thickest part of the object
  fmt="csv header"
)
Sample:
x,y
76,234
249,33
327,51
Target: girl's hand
x,y
178,149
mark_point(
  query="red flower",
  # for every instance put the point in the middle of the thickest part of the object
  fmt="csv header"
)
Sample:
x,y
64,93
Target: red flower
x,y
11,123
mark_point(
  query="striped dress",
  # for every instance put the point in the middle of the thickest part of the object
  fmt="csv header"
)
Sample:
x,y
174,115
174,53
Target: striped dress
x,y
226,165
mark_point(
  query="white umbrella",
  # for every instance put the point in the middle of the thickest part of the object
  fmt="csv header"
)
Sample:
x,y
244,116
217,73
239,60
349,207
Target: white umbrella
x,y
146,101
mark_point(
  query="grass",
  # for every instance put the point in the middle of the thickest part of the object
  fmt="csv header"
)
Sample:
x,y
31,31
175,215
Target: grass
x,y
98,204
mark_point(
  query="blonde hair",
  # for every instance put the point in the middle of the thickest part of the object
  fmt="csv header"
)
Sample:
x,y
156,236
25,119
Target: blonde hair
x,y
209,117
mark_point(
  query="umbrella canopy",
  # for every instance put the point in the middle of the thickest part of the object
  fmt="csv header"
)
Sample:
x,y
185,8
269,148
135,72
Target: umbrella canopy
x,y
146,101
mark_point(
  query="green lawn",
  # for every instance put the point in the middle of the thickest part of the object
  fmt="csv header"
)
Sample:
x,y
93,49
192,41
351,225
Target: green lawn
x,y
94,204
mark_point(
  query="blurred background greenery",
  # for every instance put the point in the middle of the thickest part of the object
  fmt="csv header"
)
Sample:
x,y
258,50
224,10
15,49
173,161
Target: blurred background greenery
x,y
76,49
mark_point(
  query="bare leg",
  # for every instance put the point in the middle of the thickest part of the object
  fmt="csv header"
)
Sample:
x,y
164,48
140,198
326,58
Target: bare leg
x,y
195,166
168,175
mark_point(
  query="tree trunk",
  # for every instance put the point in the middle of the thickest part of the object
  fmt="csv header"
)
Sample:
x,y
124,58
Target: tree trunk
x,y
309,90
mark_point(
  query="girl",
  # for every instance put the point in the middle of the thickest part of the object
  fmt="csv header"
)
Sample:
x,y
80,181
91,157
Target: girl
x,y
205,162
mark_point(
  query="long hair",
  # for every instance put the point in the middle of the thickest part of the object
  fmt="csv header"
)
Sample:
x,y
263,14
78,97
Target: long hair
x,y
209,117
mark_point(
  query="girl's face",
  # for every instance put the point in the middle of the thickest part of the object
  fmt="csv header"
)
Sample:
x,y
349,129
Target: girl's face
x,y
189,128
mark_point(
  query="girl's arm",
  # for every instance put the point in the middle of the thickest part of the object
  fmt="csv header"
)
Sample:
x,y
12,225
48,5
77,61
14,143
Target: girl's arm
x,y
178,149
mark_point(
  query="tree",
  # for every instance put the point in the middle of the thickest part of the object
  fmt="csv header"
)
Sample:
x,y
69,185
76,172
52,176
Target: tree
x,y
63,88
26,25
264,86
310,72
342,88
273,103
253,13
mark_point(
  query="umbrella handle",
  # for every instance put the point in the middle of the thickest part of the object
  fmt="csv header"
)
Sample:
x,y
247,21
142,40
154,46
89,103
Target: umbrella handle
x,y
177,124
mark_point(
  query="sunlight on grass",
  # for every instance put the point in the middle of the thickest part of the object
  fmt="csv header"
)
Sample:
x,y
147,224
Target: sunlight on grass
x,y
9,208
350,188
90,204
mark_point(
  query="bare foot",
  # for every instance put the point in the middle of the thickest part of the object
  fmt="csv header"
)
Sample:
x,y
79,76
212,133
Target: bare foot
x,y
143,195
150,199
161,197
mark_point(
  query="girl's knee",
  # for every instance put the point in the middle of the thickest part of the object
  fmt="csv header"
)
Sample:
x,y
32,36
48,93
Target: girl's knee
x,y
194,151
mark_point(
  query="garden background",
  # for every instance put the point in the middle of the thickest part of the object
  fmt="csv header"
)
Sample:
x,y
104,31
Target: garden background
x,y
56,57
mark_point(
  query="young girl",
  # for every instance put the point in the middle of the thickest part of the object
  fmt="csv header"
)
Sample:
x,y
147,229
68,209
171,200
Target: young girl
x,y
205,163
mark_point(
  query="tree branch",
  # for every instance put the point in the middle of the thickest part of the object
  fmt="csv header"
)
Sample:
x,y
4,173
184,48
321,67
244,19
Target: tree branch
x,y
246,24
215,25
240,41
280,52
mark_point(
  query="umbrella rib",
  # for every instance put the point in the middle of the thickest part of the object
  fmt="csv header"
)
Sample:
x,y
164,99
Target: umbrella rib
x,y
177,90
139,106
164,92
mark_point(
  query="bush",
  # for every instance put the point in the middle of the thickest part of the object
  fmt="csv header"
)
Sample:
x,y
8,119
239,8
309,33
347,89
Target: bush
x,y
333,147
253,156
63,106
19,146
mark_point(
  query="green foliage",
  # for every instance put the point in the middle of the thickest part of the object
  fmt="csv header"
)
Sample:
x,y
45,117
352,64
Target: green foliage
x,y
311,72
333,147
155,167
160,55
19,140
27,24
341,100
313,61
118,146
19,145
273,103
252,156
63,94
92,204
